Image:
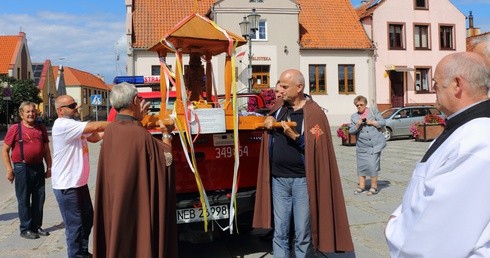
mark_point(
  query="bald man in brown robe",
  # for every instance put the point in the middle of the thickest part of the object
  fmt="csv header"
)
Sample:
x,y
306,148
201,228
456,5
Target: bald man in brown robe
x,y
329,224
135,189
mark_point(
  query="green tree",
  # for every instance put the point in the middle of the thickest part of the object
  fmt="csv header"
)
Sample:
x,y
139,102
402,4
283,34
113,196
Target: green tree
x,y
20,90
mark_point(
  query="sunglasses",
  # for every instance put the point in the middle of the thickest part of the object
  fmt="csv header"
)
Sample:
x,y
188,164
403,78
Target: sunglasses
x,y
360,105
71,106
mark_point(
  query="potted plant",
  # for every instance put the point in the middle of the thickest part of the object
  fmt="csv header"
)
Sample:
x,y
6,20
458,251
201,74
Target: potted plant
x,y
343,133
269,97
427,130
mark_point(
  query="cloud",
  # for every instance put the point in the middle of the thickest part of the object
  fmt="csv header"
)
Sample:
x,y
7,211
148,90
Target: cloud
x,y
86,42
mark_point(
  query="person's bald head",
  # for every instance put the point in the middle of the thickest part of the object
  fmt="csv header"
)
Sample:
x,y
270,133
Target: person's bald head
x,y
482,47
460,79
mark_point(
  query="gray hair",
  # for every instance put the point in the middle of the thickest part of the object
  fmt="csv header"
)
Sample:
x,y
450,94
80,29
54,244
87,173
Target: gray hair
x,y
471,67
122,95
479,39
484,41
26,103
360,98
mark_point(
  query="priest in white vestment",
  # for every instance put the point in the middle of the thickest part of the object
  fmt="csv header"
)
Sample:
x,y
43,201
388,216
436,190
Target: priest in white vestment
x,y
445,211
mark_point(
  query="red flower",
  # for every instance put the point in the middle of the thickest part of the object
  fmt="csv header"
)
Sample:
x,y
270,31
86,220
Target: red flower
x,y
343,132
429,119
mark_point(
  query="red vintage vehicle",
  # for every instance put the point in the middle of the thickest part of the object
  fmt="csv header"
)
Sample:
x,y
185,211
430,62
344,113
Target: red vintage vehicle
x,y
212,169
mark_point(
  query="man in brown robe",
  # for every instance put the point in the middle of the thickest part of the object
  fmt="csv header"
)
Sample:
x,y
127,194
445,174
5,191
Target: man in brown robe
x,y
135,188
328,217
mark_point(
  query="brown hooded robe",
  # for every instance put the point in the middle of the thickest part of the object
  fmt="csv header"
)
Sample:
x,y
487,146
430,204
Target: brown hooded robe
x,y
135,195
329,223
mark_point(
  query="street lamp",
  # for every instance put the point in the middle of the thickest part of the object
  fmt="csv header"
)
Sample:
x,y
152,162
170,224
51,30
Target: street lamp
x,y
249,27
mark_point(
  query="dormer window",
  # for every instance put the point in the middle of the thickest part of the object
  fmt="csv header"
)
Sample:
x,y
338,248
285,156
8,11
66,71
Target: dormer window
x,y
421,4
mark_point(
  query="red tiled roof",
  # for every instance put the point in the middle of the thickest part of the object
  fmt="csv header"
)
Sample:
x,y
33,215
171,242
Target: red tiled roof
x,y
75,77
153,18
331,24
367,9
9,45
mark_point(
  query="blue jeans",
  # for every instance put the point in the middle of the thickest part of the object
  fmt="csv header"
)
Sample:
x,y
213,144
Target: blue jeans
x,y
290,196
30,193
78,215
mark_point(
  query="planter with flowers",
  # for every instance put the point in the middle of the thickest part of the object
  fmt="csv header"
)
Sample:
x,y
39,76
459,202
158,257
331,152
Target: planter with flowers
x,y
427,130
347,138
269,97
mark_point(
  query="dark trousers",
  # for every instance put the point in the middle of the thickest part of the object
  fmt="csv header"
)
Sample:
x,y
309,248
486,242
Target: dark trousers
x,y
78,215
30,192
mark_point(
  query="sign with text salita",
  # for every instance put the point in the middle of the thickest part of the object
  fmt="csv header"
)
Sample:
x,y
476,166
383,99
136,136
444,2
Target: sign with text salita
x,y
208,120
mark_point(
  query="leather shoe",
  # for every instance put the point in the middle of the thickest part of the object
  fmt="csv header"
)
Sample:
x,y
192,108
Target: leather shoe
x,y
42,232
29,235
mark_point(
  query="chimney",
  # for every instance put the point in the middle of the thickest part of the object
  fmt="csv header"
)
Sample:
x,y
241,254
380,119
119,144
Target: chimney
x,y
470,18
471,30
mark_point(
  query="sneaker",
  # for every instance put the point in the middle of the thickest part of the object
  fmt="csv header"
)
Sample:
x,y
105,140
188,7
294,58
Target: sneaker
x,y
29,235
41,232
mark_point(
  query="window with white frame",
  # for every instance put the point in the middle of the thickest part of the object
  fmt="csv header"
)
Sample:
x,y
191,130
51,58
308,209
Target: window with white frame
x,y
422,79
261,33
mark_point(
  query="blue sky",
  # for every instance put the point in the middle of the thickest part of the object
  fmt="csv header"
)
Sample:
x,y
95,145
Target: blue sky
x,y
87,34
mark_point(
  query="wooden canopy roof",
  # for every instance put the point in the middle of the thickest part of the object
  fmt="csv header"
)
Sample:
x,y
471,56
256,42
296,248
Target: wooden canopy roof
x,y
196,33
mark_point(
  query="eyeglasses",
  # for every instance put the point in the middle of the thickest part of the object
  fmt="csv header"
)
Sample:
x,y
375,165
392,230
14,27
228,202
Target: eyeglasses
x,y
359,105
71,106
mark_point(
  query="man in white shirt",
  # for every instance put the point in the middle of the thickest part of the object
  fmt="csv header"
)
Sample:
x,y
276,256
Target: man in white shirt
x,y
70,173
445,211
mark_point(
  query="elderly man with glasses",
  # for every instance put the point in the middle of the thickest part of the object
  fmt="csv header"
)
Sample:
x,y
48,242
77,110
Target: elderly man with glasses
x,y
29,144
70,172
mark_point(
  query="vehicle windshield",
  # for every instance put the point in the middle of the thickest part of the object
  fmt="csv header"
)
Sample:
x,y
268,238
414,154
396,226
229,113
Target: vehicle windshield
x,y
155,103
389,112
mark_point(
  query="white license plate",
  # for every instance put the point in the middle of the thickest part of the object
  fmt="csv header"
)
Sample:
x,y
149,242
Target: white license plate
x,y
197,214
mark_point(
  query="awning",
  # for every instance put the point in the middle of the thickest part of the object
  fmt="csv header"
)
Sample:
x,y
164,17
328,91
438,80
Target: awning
x,y
398,68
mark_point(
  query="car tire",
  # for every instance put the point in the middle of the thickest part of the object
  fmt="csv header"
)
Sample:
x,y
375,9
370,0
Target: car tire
x,y
388,134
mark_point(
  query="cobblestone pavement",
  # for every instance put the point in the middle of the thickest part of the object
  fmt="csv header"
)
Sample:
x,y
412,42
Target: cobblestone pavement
x,y
367,214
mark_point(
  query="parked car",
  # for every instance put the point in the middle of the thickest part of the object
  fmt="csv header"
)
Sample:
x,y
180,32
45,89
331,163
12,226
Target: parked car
x,y
399,119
